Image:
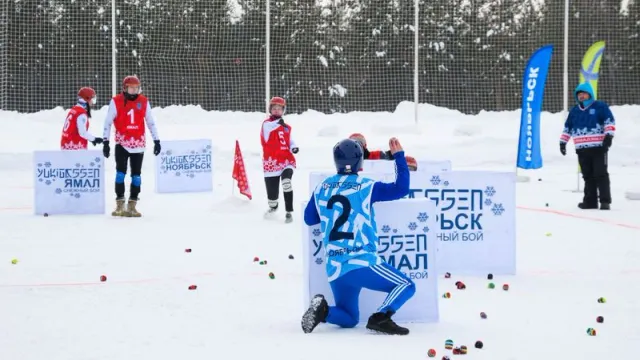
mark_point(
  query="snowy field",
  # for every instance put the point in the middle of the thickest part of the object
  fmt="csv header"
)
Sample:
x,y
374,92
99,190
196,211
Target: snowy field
x,y
53,306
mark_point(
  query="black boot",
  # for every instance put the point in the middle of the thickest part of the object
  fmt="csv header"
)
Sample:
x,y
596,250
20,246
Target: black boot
x,y
382,323
315,314
605,206
586,206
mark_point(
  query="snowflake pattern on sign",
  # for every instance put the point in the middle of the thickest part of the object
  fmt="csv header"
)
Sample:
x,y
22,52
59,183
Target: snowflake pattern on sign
x,y
490,191
435,180
423,217
425,229
385,228
445,183
187,174
316,232
319,260
412,226
497,209
488,202
91,164
131,143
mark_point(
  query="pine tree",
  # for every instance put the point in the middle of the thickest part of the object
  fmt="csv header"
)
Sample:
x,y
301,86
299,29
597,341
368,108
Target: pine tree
x,y
249,36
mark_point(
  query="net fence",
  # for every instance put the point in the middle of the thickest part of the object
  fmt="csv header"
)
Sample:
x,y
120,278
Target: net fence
x,y
195,52
325,55
54,48
4,53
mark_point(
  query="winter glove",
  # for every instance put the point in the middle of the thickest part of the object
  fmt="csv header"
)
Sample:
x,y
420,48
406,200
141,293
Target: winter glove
x,y
388,155
96,141
563,149
281,122
156,147
105,148
608,140
295,150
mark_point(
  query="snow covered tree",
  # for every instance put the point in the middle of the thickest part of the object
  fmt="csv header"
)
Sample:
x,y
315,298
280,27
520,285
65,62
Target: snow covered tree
x,y
298,62
54,48
384,53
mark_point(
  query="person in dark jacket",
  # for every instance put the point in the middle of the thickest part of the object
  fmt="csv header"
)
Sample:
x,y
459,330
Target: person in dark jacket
x,y
591,125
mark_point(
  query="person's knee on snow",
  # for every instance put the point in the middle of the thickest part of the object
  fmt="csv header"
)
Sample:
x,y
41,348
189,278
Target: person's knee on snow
x,y
352,319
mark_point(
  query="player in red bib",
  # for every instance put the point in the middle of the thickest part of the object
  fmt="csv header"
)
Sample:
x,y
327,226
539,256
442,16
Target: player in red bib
x,y
75,132
278,161
411,163
371,155
128,112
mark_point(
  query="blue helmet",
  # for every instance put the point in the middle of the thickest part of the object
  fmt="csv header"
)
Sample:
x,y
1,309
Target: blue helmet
x,y
348,157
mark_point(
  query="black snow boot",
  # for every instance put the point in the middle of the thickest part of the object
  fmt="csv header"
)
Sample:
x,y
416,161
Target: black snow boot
x,y
382,323
315,314
586,206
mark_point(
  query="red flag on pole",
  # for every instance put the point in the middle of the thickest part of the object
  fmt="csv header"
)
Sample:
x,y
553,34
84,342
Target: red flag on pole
x,y
240,173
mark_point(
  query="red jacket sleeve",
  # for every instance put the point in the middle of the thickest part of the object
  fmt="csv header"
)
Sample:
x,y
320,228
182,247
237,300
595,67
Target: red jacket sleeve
x,y
380,155
375,155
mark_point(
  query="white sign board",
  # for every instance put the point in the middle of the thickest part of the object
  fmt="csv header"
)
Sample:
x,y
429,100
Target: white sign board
x,y
69,182
476,212
406,242
184,166
476,219
387,166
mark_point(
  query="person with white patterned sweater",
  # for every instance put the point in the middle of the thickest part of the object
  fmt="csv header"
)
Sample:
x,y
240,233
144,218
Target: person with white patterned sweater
x,y
129,111
592,126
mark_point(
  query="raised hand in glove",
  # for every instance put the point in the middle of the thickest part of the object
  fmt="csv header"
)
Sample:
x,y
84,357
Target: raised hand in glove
x,y
156,147
96,141
281,122
295,150
105,148
608,140
563,149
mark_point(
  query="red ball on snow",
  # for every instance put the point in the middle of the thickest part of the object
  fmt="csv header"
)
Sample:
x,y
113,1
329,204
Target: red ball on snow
x,y
431,353
600,319
187,250
505,287
103,278
256,259
447,275
193,287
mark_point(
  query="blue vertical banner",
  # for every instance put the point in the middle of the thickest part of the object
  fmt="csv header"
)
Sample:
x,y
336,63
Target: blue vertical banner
x,y
535,76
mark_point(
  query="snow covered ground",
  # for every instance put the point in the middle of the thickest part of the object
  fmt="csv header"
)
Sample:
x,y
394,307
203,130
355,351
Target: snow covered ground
x,y
53,306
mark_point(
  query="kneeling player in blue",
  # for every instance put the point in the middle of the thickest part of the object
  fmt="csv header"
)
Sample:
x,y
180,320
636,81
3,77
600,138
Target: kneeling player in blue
x,y
342,205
